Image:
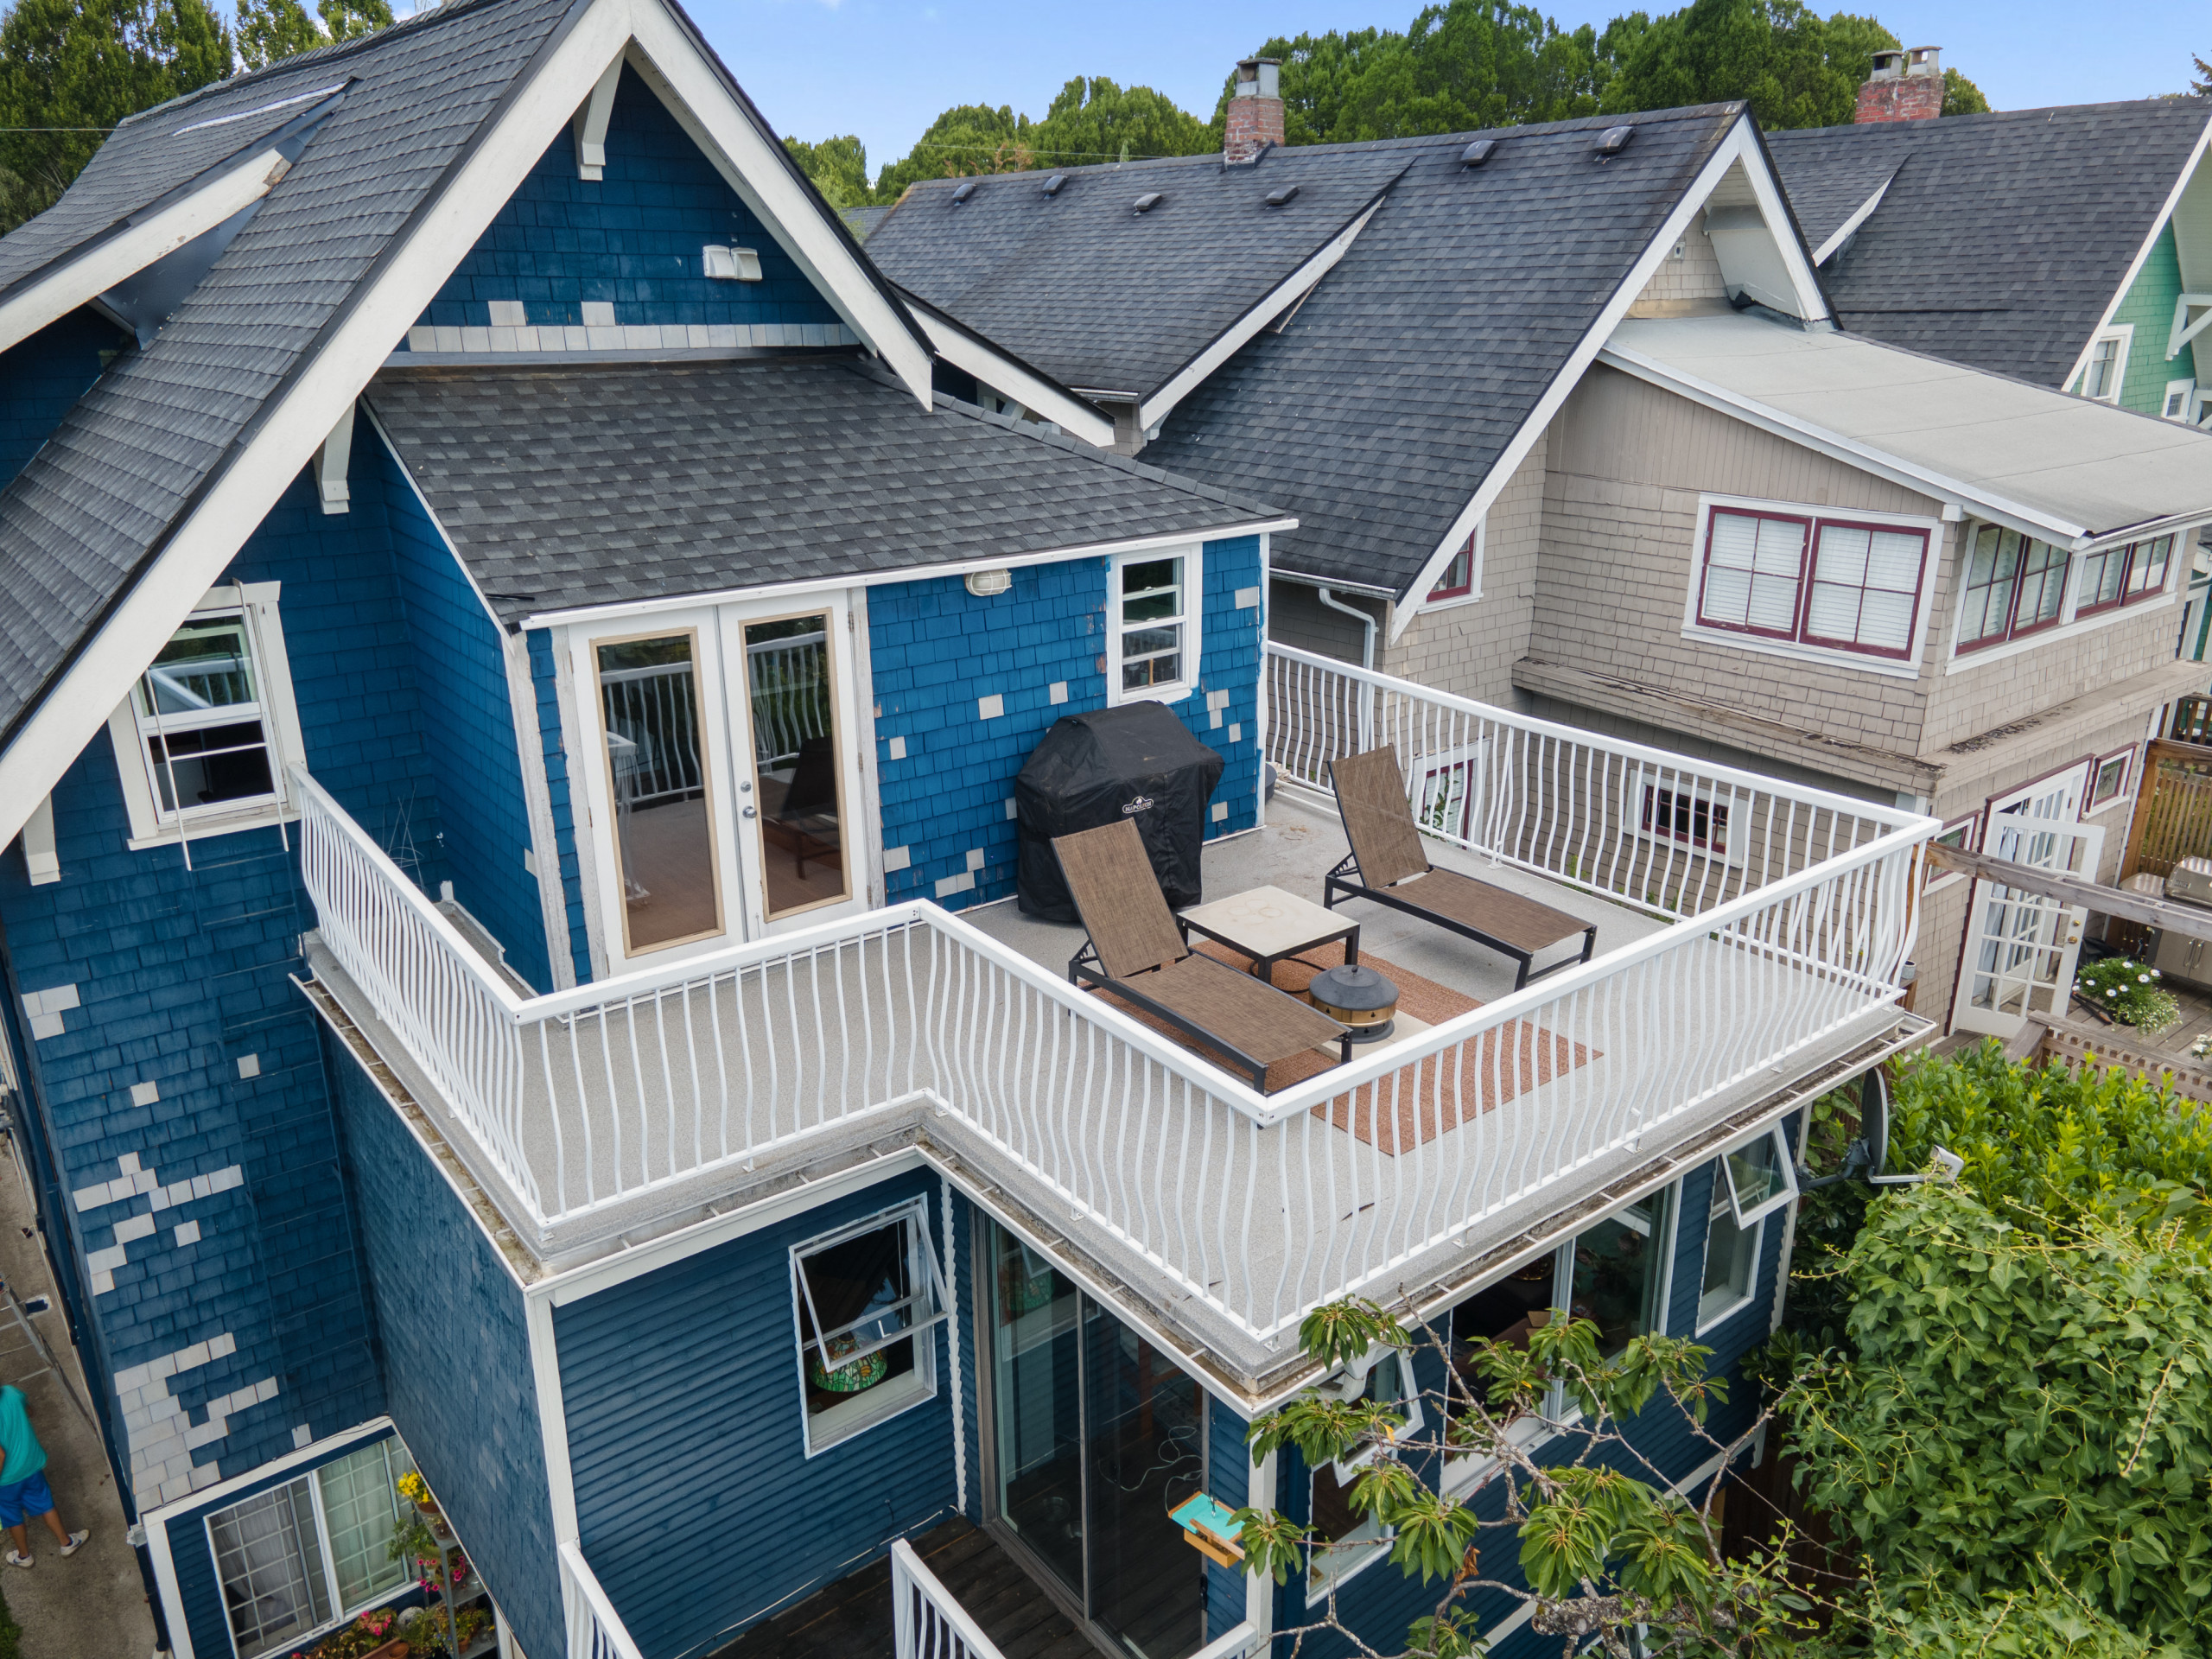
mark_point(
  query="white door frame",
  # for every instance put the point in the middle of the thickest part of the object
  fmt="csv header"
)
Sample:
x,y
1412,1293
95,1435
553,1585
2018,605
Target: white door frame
x,y
2020,948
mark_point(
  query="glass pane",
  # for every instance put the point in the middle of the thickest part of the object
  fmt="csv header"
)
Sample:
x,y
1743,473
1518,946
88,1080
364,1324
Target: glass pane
x,y
1151,608
1507,1313
359,1509
204,665
1036,1405
1619,1266
1151,575
210,765
856,1288
1147,1447
649,695
1731,1257
1757,1172
272,1568
794,762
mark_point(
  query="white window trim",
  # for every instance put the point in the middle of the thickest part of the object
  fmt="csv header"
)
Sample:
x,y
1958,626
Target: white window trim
x,y
1474,572
2125,334
1971,821
894,1397
1785,1161
1321,1581
290,1475
1708,1323
2127,790
2187,390
258,600
1194,621
1728,857
2069,624
1895,668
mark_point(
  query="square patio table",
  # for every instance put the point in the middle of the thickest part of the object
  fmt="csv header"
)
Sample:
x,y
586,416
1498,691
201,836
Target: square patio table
x,y
1268,925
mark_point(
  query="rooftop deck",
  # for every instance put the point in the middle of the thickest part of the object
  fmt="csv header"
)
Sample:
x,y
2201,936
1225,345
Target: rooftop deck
x,y
1730,963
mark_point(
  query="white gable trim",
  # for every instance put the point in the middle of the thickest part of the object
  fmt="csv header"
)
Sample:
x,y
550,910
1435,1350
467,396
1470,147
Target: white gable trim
x,y
1740,144
2135,266
1233,339
294,424
119,258
972,353
755,167
1864,211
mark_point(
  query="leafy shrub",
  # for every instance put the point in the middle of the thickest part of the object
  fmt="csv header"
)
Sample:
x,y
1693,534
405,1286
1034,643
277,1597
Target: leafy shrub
x,y
2130,992
2050,1624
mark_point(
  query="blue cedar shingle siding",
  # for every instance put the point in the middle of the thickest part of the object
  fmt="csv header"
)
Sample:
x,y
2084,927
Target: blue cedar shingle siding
x,y
935,650
558,789
41,378
700,1510
461,675
633,238
455,1356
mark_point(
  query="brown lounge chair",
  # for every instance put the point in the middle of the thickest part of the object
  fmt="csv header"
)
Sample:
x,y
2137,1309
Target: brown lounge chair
x,y
1137,951
1386,856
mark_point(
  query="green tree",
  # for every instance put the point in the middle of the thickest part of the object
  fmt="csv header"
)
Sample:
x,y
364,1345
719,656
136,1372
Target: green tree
x,y
1962,96
1094,120
348,20
272,30
966,140
2026,1408
70,69
1776,55
2048,1625
838,167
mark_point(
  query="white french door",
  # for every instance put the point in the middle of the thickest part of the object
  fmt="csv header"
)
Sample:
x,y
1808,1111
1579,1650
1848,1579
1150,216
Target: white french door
x,y
2021,947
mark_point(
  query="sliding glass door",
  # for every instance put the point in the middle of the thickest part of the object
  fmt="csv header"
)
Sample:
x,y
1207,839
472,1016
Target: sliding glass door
x,y
1094,1436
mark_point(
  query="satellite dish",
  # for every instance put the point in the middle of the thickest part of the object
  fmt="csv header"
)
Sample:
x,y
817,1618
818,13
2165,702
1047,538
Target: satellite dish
x,y
1874,1118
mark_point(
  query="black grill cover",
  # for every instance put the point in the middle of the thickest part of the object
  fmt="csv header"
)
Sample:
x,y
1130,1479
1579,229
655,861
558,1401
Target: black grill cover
x,y
1138,761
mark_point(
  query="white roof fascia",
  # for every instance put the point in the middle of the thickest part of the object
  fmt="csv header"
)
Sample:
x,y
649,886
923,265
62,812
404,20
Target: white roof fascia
x,y
2135,266
754,166
910,573
118,257
971,354
293,427
1863,212
1233,339
1738,144
1922,480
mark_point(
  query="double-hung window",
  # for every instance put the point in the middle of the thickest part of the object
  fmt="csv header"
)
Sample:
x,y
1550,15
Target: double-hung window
x,y
204,737
2107,365
1838,584
869,1299
310,1552
2015,586
1153,616
2112,576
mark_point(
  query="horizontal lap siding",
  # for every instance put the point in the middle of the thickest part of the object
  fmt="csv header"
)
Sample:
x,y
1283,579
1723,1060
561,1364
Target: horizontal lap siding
x,y
1229,1481
455,1356
935,650
700,1511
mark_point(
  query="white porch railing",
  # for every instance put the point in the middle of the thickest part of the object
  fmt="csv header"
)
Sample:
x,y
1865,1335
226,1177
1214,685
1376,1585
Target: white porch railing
x,y
926,1623
1798,914
595,1631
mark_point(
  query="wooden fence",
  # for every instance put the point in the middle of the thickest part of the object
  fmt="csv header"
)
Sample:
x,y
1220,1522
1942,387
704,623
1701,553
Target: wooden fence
x,y
2173,812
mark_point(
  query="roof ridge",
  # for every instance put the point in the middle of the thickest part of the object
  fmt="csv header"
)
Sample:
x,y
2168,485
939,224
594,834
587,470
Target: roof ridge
x,y
1978,118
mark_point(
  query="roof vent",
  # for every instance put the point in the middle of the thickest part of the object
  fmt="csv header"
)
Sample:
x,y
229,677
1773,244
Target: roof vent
x,y
1614,140
1147,202
1278,198
1052,185
964,192
1477,153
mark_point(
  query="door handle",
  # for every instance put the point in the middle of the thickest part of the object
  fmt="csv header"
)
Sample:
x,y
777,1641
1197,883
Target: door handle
x,y
747,812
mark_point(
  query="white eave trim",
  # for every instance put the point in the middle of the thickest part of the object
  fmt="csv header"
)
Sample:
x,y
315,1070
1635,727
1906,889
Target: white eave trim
x,y
2135,266
1740,144
1825,252
1193,375
120,256
1925,480
969,353
755,167
910,573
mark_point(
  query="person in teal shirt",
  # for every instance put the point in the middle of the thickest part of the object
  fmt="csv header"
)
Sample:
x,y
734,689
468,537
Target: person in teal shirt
x,y
23,1490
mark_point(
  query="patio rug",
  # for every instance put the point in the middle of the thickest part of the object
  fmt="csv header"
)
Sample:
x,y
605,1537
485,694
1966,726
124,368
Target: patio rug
x,y
1414,1109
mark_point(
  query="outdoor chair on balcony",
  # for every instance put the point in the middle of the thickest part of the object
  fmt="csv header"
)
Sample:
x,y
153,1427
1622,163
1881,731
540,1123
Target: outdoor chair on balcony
x,y
1138,953
805,820
1388,865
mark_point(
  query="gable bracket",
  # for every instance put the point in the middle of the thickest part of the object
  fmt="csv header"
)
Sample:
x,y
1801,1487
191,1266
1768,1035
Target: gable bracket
x,y
2187,328
331,461
590,127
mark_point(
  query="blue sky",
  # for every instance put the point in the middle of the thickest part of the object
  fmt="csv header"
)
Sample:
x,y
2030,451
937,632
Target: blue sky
x,y
885,68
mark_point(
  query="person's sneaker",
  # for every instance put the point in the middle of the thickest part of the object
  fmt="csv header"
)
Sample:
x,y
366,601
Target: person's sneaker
x,y
76,1542
17,1558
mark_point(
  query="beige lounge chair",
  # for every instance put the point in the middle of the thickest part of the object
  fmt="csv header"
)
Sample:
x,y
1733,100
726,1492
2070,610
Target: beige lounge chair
x,y
1137,951
1386,857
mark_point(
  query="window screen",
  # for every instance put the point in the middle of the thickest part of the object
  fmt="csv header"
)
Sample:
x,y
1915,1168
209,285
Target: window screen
x,y
271,1564
1753,566
1866,587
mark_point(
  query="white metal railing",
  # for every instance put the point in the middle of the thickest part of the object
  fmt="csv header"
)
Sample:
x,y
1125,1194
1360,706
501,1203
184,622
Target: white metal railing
x,y
926,1623
595,1631
1257,1206
654,711
788,680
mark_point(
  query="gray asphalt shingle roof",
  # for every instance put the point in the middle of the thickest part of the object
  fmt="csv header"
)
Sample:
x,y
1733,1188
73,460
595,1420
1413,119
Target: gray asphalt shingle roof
x,y
2002,237
1384,403
92,508
596,485
1101,297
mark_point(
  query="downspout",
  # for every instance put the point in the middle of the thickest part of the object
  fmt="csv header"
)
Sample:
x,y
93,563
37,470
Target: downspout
x,y
1366,661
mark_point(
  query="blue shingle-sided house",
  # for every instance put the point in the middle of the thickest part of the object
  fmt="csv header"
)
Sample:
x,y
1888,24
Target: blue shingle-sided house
x,y
521,644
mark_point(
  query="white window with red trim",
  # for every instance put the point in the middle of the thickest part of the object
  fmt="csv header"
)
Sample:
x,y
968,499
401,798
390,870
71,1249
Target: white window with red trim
x,y
1812,582
1959,835
2016,587
2109,777
1462,576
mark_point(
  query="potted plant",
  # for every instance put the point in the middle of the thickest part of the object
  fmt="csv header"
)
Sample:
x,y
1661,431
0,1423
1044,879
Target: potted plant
x,y
369,1636
417,1491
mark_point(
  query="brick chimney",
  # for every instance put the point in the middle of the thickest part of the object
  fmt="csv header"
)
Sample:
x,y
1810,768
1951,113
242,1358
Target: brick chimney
x,y
1254,111
1906,85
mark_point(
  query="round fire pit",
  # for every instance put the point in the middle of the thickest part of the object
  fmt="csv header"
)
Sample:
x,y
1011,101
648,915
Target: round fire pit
x,y
1358,997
